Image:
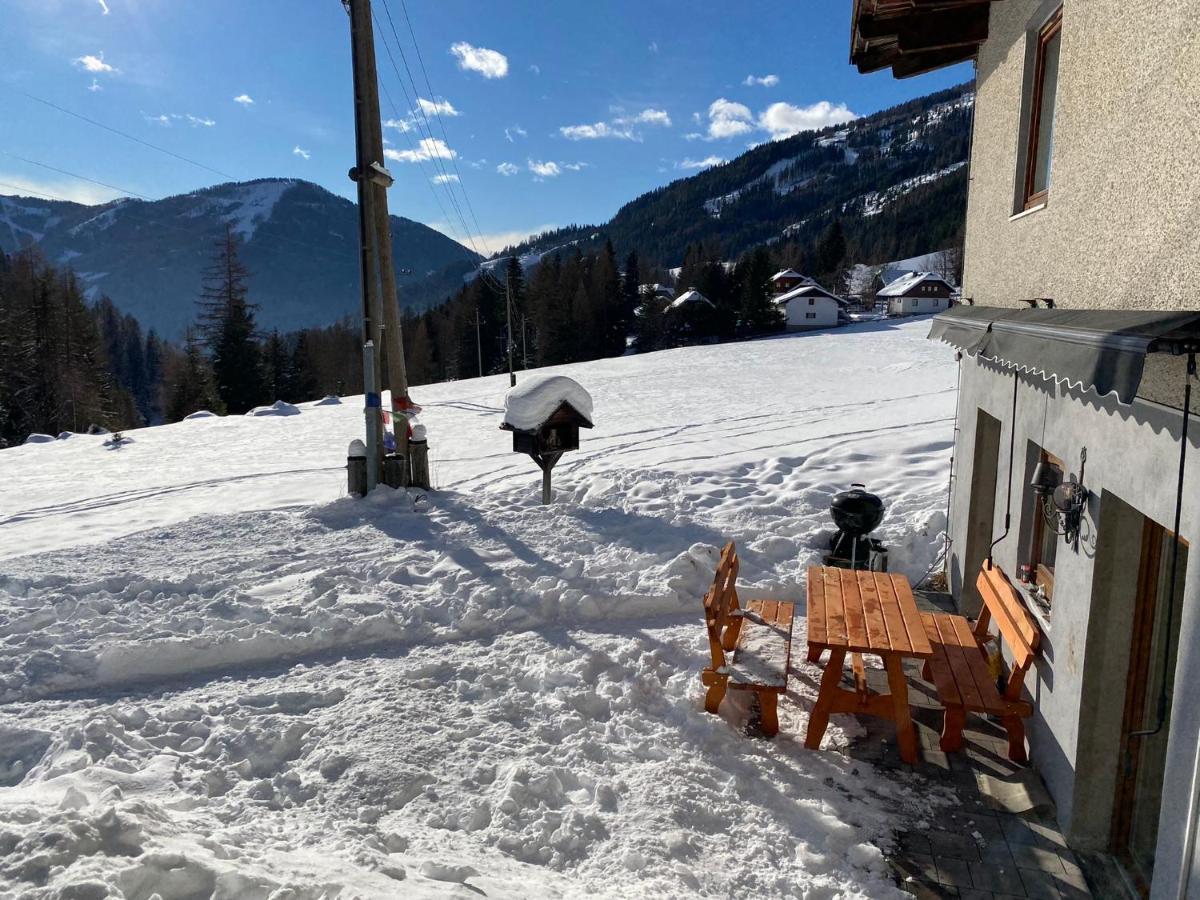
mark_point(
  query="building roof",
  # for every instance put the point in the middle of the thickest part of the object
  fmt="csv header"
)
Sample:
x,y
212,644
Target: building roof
x,y
915,36
905,283
690,296
790,273
806,290
662,289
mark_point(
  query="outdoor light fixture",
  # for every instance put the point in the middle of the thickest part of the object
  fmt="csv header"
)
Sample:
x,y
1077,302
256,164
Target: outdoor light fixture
x,y
1062,502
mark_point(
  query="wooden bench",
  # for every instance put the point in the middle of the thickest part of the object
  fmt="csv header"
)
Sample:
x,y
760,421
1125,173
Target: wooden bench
x,y
959,667
751,645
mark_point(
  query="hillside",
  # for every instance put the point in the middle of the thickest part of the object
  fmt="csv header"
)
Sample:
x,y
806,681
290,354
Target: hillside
x,y
897,180
300,244
222,678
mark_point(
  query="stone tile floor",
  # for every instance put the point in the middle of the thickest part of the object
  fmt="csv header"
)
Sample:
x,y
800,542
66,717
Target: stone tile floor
x,y
979,850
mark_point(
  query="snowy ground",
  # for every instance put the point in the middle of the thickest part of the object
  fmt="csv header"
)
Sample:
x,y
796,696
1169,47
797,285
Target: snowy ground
x,y
221,678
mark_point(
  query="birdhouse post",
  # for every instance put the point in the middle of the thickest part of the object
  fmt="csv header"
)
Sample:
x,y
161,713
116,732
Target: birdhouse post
x,y
544,415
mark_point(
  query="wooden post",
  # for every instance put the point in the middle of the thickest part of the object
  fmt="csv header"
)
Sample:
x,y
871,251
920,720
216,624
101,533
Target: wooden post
x,y
418,449
546,461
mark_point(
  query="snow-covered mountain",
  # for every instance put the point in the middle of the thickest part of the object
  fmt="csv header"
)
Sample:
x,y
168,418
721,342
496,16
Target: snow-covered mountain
x,y
896,179
300,243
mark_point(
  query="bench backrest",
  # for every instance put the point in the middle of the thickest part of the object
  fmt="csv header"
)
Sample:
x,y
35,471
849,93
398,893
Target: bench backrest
x,y
1002,603
720,601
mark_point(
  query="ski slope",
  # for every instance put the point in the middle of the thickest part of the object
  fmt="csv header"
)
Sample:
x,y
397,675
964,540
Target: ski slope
x,y
223,678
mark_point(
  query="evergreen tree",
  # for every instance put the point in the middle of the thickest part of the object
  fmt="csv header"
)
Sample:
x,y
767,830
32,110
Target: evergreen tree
x,y
227,325
278,372
757,314
189,386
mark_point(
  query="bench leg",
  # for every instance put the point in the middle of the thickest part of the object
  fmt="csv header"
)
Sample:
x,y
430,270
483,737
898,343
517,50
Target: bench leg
x,y
819,720
768,702
814,654
1015,727
952,729
716,693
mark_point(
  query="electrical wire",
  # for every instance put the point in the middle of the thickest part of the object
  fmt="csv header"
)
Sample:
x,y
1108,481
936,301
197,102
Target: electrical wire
x,y
105,184
437,114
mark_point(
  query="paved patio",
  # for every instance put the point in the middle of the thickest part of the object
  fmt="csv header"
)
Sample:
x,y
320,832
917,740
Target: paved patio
x,y
1001,841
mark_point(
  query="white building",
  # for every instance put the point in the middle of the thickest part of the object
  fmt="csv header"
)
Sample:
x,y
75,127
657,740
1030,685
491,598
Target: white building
x,y
917,294
808,307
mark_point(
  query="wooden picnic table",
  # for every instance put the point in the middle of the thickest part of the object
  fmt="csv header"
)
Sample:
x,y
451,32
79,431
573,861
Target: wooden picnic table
x,y
859,612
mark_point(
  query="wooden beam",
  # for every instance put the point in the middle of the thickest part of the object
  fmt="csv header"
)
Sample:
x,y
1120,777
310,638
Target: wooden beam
x,y
919,63
944,30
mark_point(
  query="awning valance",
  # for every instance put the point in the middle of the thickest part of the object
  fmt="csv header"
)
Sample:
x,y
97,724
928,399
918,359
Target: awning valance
x,y
1101,349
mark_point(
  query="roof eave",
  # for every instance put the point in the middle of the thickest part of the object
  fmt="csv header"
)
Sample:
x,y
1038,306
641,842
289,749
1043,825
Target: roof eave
x,y
916,36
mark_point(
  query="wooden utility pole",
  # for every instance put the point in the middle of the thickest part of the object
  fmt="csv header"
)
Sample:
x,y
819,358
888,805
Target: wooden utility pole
x,y
381,313
478,342
512,377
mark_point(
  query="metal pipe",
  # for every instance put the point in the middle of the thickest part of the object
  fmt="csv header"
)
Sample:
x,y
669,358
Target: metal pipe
x,y
1012,448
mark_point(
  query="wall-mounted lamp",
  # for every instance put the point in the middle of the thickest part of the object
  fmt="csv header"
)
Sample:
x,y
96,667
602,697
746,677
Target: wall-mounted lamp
x,y
1061,502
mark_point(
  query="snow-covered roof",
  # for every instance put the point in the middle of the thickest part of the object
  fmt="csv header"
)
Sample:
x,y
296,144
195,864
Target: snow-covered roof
x,y
690,296
806,290
906,283
790,273
655,288
536,399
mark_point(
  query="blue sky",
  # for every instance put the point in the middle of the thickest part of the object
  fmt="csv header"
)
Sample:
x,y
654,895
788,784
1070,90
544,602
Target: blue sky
x,y
553,112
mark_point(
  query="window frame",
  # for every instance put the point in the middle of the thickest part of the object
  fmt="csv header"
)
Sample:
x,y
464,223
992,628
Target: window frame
x,y
1040,573
1050,29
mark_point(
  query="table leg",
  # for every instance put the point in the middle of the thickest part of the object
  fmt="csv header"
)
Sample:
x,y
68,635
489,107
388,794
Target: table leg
x,y
906,735
819,720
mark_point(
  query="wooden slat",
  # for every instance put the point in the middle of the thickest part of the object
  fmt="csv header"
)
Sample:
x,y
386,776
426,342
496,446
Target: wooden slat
x,y
856,620
817,633
999,596
960,666
835,616
876,626
892,616
989,698
912,616
939,666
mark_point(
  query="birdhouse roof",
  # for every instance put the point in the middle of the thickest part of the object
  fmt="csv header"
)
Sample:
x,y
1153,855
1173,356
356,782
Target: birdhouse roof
x,y
532,402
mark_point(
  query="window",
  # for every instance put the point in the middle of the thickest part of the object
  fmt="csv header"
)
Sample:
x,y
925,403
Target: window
x,y
1044,92
811,315
811,301
1043,543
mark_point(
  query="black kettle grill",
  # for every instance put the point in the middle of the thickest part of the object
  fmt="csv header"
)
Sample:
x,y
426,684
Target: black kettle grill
x,y
856,514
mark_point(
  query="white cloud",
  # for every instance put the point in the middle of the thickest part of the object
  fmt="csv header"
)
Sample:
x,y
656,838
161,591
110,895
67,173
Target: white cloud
x,y
653,48
728,119
200,121
783,120
535,68
95,86
507,168
575,167
437,107
762,81
301,152
427,148
498,238
244,99
513,132
167,119
488,63
706,163
596,130
400,124
103,7
444,179
163,120
544,169
94,63
620,128
693,136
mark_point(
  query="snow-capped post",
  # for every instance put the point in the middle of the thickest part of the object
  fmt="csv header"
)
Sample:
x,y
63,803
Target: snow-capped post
x,y
545,413
371,411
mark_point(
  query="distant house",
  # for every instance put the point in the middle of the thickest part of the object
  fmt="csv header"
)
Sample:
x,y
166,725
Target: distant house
x,y
788,280
690,298
808,307
662,291
916,293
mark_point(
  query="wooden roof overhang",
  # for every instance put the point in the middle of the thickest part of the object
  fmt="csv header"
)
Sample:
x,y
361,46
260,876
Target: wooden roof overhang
x,y
916,36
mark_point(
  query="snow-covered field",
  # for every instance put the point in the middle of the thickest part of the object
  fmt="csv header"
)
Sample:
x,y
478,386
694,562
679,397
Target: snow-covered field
x,y
221,678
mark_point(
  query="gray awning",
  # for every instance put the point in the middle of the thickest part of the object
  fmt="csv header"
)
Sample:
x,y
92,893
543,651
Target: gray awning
x,y
1101,349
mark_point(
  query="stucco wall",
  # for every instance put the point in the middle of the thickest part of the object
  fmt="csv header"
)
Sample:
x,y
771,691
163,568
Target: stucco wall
x,y
825,309
1132,453
1121,226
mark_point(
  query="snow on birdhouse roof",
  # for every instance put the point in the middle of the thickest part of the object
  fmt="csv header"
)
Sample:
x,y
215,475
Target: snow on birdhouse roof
x,y
806,290
906,283
528,405
690,296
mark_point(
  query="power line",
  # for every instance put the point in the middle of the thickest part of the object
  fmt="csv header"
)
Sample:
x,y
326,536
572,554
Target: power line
x,y
128,136
111,187
419,118
438,115
29,192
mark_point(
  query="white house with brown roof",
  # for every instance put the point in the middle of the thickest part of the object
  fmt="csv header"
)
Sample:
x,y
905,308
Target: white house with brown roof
x,y
809,307
917,294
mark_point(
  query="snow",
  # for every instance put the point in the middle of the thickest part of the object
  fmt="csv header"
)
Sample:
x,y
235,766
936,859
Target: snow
x,y
875,202
246,206
221,677
200,414
689,296
907,282
535,399
278,408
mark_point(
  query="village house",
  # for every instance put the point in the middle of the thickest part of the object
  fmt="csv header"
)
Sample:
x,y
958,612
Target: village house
x,y
916,294
1075,470
808,307
788,280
